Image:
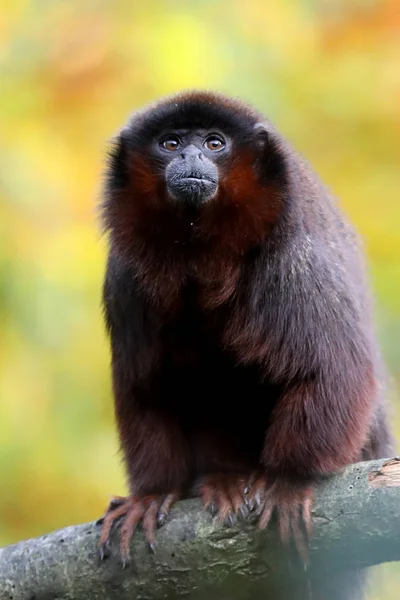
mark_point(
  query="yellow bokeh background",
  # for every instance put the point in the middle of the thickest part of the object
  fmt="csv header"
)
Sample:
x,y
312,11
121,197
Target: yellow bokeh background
x,y
327,72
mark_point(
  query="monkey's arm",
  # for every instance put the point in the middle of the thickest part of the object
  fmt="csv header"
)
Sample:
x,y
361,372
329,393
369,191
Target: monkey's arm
x,y
152,445
304,326
320,424
302,319
151,442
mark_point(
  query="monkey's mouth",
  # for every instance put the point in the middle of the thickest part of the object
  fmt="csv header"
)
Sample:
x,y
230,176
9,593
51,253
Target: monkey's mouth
x,y
192,178
192,189
193,181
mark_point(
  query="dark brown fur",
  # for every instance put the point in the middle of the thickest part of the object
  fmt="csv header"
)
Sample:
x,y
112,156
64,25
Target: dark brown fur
x,y
241,334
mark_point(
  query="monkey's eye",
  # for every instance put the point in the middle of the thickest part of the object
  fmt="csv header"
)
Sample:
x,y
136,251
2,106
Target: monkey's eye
x,y
171,144
214,143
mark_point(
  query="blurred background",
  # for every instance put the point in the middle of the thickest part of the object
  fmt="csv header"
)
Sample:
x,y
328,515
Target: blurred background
x,y
326,72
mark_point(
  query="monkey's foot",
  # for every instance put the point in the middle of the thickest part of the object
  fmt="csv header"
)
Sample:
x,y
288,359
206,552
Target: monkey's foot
x,y
151,511
292,501
226,496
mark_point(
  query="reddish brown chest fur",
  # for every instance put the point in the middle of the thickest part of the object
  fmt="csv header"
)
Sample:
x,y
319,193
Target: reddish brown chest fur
x,y
170,245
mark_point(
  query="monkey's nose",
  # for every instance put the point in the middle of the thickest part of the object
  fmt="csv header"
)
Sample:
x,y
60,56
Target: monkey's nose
x,y
191,152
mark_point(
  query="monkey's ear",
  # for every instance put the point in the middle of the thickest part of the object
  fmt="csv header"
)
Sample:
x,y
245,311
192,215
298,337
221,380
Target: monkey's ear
x,y
271,156
261,132
261,135
260,127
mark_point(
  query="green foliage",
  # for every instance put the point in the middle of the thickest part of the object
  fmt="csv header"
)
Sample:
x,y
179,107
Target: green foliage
x,y
326,73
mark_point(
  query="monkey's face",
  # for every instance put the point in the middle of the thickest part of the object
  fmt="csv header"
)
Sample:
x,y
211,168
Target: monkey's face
x,y
191,159
195,158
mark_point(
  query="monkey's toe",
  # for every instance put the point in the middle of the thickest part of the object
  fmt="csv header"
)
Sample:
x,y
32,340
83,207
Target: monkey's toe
x,y
151,511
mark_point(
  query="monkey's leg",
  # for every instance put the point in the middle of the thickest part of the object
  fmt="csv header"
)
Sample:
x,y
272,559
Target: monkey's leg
x,y
151,511
156,461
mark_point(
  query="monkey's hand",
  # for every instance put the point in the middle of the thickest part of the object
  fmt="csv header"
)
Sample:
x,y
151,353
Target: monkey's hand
x,y
228,496
151,510
292,501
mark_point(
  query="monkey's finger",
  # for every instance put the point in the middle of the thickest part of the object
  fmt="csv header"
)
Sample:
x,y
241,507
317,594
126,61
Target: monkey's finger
x,y
166,506
250,482
108,521
128,529
104,550
209,502
287,516
230,519
150,522
237,500
265,515
114,503
207,495
306,513
226,511
251,504
300,540
256,499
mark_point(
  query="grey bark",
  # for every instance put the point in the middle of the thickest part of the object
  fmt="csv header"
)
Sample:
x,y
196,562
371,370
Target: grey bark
x,y
355,522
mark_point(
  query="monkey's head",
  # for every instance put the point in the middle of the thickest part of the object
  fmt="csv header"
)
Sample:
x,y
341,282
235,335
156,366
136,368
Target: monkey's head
x,y
195,153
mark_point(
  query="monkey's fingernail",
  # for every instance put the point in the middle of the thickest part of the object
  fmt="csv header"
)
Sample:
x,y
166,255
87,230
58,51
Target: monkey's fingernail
x,y
104,551
231,520
125,561
258,499
247,489
244,511
152,547
212,509
251,504
161,518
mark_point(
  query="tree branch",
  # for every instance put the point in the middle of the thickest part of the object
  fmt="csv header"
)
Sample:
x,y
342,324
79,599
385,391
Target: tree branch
x,y
355,519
